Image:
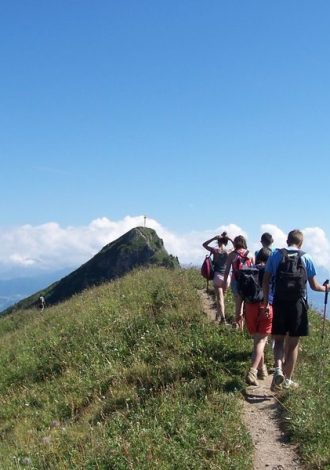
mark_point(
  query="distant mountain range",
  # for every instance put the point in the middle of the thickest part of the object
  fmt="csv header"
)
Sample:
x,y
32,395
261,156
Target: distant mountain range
x,y
139,247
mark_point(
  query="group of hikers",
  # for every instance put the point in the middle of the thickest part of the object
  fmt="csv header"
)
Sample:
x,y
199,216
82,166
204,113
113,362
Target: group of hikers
x,y
270,296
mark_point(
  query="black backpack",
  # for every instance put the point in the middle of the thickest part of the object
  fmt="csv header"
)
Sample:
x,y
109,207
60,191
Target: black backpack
x,y
263,254
249,283
291,276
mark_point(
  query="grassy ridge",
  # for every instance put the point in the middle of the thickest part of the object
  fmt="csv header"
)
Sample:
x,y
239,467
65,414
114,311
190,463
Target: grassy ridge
x,y
126,375
132,375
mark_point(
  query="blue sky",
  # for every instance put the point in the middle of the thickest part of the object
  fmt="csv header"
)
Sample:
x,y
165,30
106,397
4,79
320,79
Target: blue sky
x,y
201,115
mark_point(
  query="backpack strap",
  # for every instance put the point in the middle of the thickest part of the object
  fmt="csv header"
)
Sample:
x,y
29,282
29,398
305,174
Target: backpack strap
x,y
242,256
285,252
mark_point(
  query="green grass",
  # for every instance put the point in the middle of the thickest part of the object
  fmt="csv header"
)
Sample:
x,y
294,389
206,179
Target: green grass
x,y
307,409
131,374
127,375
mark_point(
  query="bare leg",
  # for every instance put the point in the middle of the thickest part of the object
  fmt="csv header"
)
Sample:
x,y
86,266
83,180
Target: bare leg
x,y
258,351
278,350
291,355
221,303
285,348
239,311
220,300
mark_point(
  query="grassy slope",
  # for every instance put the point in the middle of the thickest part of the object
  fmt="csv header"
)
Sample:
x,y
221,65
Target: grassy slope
x,y
126,375
132,375
307,410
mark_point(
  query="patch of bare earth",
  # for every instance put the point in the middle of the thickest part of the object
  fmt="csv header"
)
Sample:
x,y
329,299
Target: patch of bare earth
x,y
261,417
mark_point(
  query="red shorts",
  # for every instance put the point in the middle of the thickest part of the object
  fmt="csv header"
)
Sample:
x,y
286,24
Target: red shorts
x,y
256,320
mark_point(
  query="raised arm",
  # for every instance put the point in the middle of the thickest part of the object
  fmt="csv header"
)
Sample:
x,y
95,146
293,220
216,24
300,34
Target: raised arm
x,y
207,243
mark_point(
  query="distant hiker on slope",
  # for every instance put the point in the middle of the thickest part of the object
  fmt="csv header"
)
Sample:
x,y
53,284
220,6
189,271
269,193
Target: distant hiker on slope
x,y
220,255
258,320
237,259
290,268
41,303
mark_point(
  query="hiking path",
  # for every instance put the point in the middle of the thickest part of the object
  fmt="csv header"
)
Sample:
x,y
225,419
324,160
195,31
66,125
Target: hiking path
x,y
261,415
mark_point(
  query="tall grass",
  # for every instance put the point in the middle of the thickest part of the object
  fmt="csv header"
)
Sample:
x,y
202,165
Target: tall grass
x,y
127,375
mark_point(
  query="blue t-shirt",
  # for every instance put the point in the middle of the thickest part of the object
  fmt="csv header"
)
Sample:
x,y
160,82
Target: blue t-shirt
x,y
275,259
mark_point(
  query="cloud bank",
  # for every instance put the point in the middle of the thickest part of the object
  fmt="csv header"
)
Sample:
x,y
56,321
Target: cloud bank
x,y
50,247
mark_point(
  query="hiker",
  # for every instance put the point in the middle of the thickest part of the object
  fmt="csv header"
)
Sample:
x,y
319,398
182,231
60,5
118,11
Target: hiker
x,y
220,255
236,260
290,268
42,303
258,321
266,242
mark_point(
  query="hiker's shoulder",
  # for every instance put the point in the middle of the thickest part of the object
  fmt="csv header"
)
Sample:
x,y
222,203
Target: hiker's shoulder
x,y
309,263
232,254
242,252
274,259
307,257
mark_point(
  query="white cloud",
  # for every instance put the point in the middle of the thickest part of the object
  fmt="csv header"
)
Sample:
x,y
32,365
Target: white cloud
x,y
50,246
317,245
278,235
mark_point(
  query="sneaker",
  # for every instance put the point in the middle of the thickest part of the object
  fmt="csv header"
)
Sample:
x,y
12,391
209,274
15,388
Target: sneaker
x,y
288,383
251,377
278,379
262,373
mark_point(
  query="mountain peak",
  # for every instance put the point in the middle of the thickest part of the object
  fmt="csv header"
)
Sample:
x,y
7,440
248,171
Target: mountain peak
x,y
138,247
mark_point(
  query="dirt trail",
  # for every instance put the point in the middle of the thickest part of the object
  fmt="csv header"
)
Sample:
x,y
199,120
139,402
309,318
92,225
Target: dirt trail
x,y
261,417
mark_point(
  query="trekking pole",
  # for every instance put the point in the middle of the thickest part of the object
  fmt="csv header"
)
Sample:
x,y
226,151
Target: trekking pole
x,y
325,283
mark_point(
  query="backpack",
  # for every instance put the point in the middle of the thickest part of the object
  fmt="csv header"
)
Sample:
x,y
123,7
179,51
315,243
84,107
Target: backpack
x,y
249,283
291,277
207,270
241,262
260,254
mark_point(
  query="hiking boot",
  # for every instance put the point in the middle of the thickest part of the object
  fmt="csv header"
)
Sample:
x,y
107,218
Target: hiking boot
x,y
262,372
278,379
251,377
290,384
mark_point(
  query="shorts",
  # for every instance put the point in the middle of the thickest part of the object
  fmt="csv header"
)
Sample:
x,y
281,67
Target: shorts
x,y
256,320
218,280
290,317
